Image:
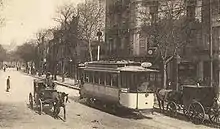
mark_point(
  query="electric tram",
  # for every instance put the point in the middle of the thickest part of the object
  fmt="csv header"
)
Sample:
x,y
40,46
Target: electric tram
x,y
126,84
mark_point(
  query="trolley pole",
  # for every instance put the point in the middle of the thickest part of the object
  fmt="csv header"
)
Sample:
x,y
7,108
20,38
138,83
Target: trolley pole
x,y
210,43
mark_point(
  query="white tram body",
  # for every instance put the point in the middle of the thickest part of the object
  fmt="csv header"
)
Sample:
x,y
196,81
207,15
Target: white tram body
x,y
118,82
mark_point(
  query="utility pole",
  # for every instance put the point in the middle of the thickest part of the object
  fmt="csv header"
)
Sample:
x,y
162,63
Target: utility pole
x,y
210,43
99,34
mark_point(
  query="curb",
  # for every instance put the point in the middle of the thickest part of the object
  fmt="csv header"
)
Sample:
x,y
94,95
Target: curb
x,y
67,85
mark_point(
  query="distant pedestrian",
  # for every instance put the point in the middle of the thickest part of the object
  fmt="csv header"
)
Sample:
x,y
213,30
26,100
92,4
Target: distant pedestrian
x,y
8,84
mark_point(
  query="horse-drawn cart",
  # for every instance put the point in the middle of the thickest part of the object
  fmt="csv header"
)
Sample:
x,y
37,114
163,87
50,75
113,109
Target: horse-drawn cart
x,y
44,95
200,101
41,96
196,102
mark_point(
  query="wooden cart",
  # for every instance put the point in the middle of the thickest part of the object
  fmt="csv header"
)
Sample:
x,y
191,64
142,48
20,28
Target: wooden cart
x,y
41,96
199,102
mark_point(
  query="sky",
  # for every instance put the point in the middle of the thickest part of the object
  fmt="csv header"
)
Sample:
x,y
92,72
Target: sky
x,y
24,18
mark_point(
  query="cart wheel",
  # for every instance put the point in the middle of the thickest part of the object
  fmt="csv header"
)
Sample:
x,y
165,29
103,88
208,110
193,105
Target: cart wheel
x,y
40,107
31,101
172,109
196,113
214,115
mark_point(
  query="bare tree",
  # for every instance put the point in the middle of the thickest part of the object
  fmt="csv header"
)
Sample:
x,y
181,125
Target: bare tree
x,y
169,31
91,20
2,19
67,17
43,36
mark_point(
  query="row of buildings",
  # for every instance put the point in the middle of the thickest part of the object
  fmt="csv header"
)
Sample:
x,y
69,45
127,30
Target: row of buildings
x,y
126,37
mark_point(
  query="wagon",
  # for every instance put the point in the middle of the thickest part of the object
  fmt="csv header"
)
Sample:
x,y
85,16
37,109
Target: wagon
x,y
200,101
197,103
41,96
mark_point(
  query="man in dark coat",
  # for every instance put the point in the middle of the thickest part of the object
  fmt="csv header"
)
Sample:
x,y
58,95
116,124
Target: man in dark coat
x,y
8,84
48,81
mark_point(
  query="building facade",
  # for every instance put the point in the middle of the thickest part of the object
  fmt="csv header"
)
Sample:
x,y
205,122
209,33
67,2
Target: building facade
x,y
125,38
124,22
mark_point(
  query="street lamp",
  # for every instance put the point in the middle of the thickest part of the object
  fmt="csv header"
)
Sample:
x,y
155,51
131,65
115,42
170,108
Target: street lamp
x,y
99,34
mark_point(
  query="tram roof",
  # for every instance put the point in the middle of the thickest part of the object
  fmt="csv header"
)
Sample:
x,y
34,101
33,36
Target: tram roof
x,y
110,63
195,86
115,66
120,69
136,69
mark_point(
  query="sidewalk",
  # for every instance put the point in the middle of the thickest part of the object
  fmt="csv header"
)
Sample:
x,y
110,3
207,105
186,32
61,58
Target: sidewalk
x,y
70,83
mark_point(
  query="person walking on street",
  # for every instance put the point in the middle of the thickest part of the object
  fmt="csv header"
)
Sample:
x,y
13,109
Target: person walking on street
x,y
4,68
8,84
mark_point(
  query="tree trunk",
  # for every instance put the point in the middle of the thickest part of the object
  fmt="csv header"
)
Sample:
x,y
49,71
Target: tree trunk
x,y
90,51
176,77
164,74
63,70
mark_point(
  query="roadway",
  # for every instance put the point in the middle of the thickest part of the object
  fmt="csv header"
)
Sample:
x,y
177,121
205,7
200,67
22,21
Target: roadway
x,y
15,113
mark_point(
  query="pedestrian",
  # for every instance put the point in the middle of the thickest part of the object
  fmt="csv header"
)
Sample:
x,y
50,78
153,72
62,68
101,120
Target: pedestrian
x,y
8,84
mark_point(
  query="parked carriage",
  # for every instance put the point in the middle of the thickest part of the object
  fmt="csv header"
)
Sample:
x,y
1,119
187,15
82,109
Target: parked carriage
x,y
47,96
197,103
41,96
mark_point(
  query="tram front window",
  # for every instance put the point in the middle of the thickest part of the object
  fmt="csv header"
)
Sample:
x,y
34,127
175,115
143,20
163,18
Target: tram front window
x,y
137,82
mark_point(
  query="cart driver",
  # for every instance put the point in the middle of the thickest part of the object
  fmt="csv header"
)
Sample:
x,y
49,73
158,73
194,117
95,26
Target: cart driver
x,y
48,81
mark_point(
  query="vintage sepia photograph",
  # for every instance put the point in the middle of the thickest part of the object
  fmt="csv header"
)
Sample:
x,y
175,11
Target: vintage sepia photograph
x,y
109,64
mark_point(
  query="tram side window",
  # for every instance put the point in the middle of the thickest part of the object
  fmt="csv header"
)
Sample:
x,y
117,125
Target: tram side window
x,y
159,78
90,77
124,80
102,78
87,77
147,77
134,80
114,80
108,79
96,77
127,80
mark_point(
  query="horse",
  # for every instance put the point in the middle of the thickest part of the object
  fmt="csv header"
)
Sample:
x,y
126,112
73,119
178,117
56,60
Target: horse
x,y
60,100
165,95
